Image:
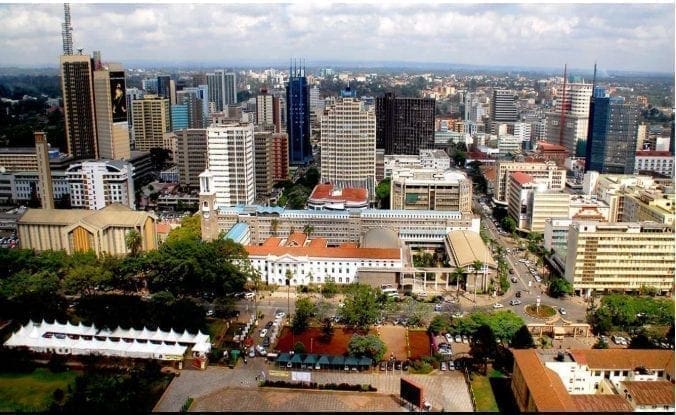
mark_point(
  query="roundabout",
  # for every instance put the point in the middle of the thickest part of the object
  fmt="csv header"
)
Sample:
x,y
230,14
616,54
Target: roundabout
x,y
542,311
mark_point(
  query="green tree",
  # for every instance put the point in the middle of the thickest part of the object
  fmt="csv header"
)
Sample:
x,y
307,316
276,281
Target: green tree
x,y
369,345
522,339
86,279
600,344
305,309
440,323
509,224
458,274
133,241
383,193
560,287
360,308
329,289
308,229
484,346
191,228
299,347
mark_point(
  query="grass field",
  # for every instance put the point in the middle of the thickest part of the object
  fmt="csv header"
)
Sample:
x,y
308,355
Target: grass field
x,y
483,394
32,392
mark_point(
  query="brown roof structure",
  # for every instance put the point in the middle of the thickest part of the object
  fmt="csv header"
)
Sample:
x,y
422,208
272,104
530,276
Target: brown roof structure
x,y
649,393
601,403
546,389
318,248
521,177
623,358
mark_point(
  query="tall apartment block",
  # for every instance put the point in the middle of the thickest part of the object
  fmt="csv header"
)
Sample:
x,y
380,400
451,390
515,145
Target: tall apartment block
x,y
78,105
151,121
280,157
230,91
97,184
627,256
348,143
298,117
404,125
556,176
230,163
112,128
613,124
191,155
265,108
222,88
503,106
263,162
574,102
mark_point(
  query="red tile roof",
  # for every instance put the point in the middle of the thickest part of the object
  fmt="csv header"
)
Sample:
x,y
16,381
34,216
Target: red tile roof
x,y
649,392
601,403
628,359
162,228
545,146
545,386
325,193
521,177
653,154
318,248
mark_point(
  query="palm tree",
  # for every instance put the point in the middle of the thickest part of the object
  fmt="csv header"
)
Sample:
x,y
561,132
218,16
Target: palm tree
x,y
133,241
478,266
458,273
308,229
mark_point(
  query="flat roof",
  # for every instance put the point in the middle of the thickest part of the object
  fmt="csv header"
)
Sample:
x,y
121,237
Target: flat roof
x,y
326,193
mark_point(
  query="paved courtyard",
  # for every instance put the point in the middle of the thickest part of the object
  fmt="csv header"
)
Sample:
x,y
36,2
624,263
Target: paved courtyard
x,y
212,390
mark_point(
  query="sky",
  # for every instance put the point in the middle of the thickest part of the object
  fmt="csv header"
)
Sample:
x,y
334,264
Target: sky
x,y
634,37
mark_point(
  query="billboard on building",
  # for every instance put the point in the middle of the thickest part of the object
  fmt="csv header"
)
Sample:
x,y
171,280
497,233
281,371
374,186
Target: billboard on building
x,y
118,96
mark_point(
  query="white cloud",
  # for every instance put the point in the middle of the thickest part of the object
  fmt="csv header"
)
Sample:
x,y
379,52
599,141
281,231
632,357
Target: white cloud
x,y
634,36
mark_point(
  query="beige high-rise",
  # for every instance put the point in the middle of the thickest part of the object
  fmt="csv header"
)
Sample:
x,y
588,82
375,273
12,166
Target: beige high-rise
x,y
78,105
112,132
151,119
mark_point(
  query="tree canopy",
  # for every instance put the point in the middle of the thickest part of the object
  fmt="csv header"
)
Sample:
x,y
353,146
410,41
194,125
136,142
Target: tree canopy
x,y
360,308
369,345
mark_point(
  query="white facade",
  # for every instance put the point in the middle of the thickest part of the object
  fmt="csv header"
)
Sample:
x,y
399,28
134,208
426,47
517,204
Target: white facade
x,y
97,184
658,161
264,113
230,159
429,159
348,143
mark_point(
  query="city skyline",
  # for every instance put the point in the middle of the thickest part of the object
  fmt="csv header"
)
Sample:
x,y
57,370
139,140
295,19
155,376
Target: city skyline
x,y
633,37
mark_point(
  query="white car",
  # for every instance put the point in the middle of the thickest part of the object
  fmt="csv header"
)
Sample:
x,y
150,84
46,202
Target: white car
x,y
264,332
497,305
458,338
562,311
280,314
449,338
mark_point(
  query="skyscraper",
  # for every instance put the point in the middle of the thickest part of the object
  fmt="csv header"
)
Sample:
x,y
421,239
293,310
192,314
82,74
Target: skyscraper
x,y
298,117
78,105
67,31
230,90
112,129
264,108
348,143
611,147
216,86
230,161
404,125
164,86
575,105
151,120
503,108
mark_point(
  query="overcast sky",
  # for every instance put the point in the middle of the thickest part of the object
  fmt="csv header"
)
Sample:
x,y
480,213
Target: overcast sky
x,y
624,36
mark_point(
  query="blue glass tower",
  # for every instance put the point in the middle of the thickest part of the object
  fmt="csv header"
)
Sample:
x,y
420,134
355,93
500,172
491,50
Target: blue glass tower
x,y
611,147
180,119
298,117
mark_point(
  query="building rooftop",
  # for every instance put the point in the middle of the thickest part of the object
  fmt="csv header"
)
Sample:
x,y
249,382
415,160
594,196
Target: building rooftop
x,y
380,238
545,146
280,247
623,358
325,193
545,386
237,232
467,247
649,153
112,215
601,403
522,178
649,393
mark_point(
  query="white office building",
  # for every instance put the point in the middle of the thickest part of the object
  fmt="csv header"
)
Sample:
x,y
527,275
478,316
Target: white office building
x,y
97,184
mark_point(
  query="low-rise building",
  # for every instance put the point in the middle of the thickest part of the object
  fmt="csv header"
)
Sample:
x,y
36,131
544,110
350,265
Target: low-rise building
x,y
77,230
657,161
610,380
430,189
555,175
304,261
326,197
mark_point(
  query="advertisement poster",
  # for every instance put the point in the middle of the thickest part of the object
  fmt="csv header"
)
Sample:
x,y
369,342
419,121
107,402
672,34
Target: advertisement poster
x,y
118,97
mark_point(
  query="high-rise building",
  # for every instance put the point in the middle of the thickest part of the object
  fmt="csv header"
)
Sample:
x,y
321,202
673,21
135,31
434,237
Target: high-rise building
x,y
556,176
151,120
612,144
280,156
404,125
112,128
575,105
216,87
78,105
67,31
191,155
263,162
264,108
503,106
97,184
164,86
193,107
230,90
230,162
298,117
44,171
348,143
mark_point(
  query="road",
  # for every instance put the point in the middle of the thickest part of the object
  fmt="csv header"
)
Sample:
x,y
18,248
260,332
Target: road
x,y
526,283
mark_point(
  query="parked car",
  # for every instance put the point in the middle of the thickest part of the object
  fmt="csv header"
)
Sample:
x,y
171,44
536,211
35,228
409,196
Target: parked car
x,y
264,332
252,352
390,365
514,280
465,339
515,302
405,365
397,365
266,342
562,311
268,325
280,314
443,367
497,305
383,366
451,366
458,338
449,338
437,307
518,294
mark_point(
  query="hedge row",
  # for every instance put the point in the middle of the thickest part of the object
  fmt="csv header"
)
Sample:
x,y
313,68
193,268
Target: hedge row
x,y
321,386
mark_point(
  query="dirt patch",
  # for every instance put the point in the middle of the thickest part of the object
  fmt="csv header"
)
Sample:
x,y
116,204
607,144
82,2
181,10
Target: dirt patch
x,y
419,344
315,342
394,338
